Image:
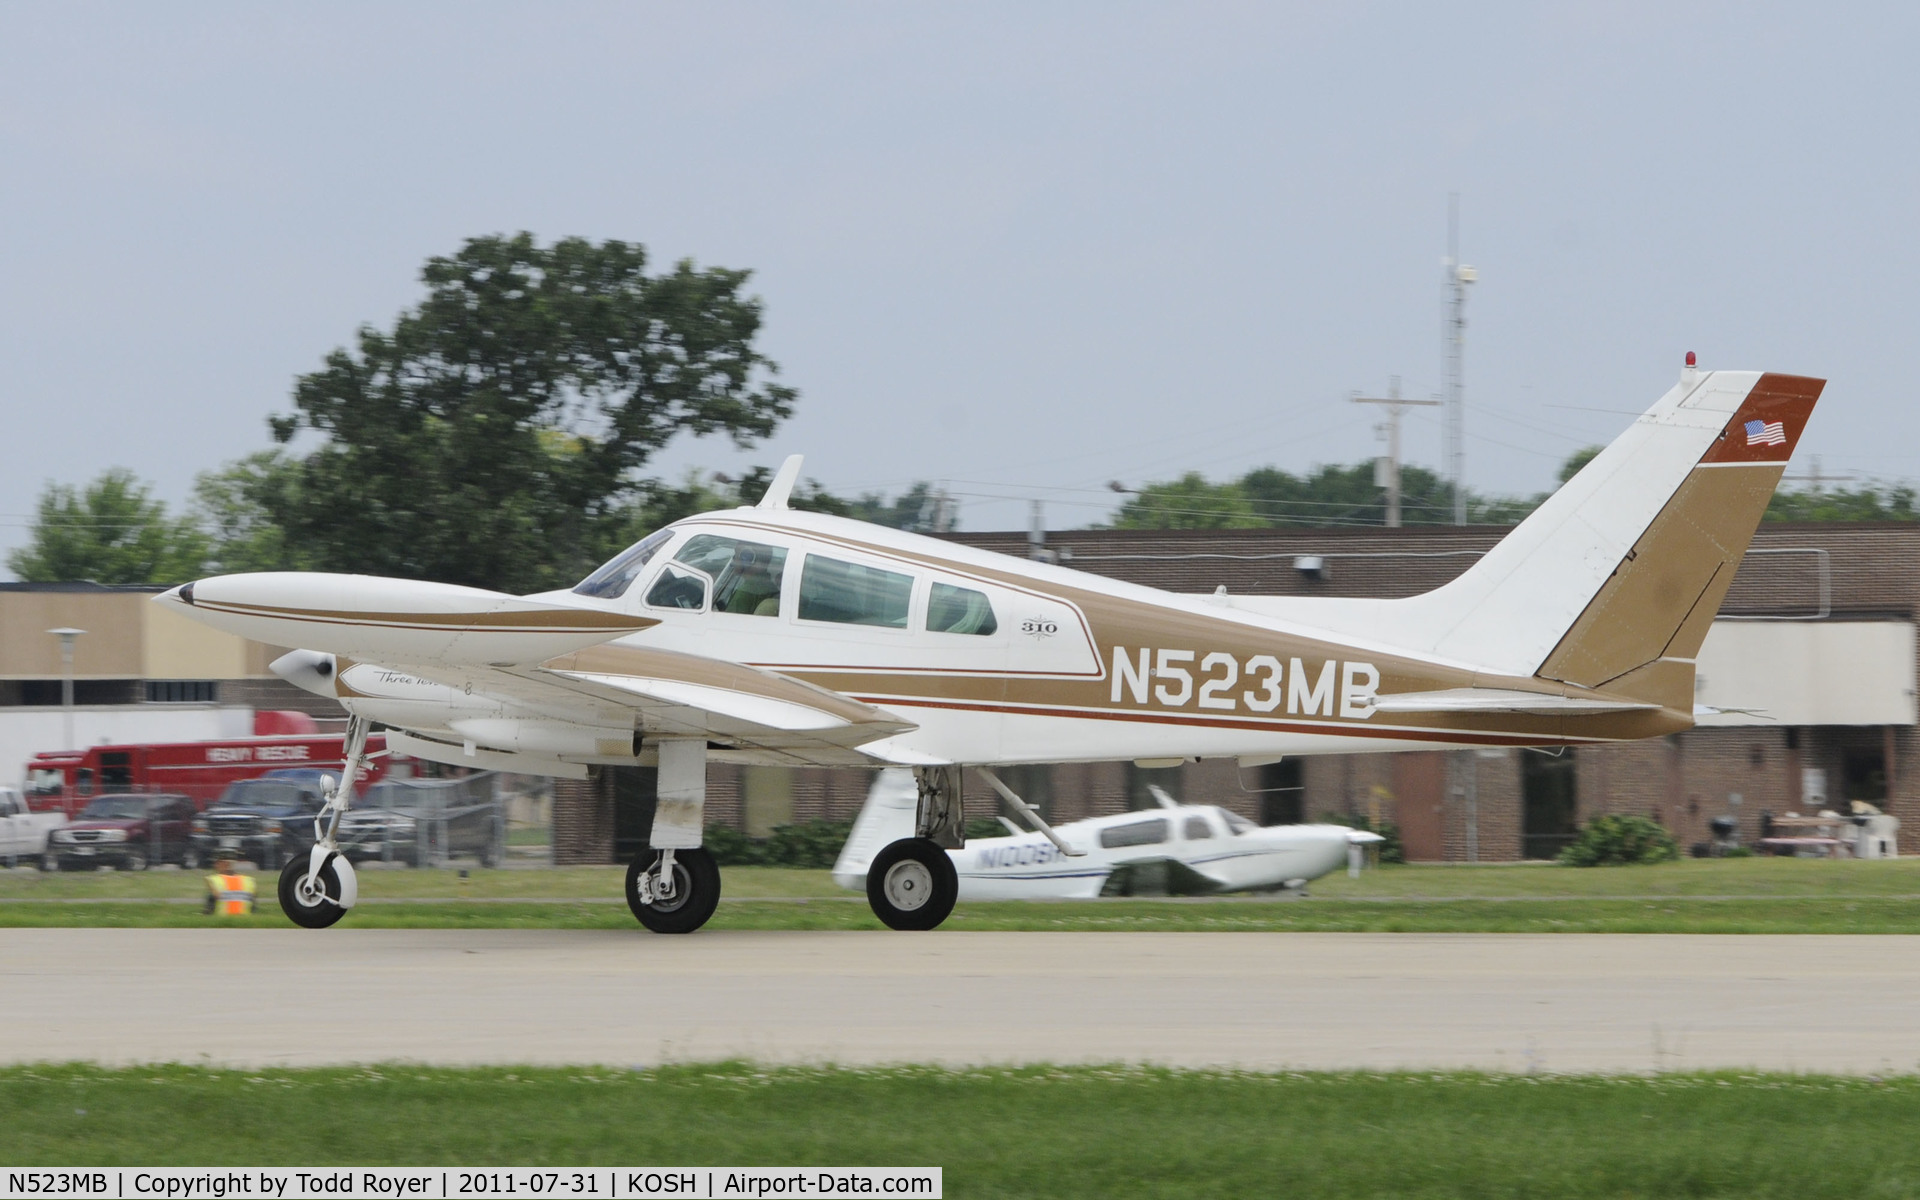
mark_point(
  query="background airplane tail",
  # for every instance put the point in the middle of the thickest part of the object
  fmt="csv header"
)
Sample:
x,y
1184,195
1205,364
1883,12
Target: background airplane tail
x,y
887,816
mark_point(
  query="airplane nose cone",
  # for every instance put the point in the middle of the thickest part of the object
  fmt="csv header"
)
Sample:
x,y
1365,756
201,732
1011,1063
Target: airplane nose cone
x,y
309,670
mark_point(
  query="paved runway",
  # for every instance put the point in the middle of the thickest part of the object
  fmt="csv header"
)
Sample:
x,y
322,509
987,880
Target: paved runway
x,y
1508,1002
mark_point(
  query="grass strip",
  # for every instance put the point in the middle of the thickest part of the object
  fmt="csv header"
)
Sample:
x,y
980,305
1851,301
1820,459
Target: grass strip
x,y
1017,1132
1667,915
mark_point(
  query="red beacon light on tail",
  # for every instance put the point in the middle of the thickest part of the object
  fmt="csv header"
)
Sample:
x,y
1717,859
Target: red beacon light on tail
x,y
1692,369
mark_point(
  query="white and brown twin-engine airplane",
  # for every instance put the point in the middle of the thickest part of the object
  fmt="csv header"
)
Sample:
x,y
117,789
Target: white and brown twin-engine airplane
x,y
770,636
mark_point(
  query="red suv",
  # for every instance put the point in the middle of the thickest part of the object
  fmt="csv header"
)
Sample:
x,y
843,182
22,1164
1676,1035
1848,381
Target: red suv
x,y
130,832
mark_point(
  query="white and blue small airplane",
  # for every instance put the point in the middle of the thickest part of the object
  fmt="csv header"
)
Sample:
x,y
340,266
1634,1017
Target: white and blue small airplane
x,y
1205,849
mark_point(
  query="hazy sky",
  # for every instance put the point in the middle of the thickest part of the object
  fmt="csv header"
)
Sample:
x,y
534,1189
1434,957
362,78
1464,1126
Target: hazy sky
x,y
1026,248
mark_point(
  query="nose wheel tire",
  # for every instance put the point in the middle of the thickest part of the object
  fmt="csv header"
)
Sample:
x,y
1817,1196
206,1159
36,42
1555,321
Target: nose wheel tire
x,y
696,891
912,885
314,908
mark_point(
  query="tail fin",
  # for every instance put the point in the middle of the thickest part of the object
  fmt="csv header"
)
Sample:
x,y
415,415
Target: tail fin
x,y
1615,580
887,816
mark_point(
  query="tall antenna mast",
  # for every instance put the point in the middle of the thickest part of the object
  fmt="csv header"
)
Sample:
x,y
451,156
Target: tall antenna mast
x,y
1459,275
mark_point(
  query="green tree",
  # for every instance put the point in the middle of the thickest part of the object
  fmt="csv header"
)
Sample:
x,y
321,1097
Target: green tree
x,y
1875,502
1268,497
1189,502
112,531
1578,459
494,435
234,506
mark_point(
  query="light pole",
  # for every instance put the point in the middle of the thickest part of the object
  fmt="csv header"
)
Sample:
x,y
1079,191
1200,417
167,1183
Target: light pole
x,y
67,636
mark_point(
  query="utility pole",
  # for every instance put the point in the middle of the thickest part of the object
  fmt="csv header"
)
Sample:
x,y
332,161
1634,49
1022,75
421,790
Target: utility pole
x,y
1459,275
1037,535
1386,471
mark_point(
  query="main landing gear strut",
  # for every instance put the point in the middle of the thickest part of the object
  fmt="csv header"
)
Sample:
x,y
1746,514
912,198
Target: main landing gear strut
x,y
673,886
317,890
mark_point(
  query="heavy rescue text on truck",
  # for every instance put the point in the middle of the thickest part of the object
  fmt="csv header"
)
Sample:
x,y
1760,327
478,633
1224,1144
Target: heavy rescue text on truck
x,y
63,781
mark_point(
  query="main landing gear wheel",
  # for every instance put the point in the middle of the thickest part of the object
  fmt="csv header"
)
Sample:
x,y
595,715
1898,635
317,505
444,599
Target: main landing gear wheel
x,y
912,884
695,894
311,908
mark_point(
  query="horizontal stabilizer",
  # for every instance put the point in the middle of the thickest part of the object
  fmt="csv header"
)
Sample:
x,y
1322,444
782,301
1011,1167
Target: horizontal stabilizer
x,y
1504,700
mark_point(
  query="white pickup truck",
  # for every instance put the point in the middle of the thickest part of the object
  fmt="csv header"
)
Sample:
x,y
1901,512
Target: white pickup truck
x,y
23,834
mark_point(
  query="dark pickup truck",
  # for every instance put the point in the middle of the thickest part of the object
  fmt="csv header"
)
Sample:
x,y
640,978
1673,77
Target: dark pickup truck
x,y
128,831
265,821
425,821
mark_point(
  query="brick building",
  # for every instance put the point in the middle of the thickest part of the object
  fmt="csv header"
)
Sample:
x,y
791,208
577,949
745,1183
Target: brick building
x,y
1813,663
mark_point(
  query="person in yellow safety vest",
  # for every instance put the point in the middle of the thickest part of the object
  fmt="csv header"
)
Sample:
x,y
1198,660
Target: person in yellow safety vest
x,y
229,893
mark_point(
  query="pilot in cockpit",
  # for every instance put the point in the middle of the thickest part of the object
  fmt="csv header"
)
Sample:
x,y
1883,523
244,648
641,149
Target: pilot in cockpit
x,y
756,589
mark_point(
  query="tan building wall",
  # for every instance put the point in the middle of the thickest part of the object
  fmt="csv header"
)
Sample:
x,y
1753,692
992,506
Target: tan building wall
x,y
112,647
127,637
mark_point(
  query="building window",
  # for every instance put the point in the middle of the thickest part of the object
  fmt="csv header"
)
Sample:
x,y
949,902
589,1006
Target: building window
x,y
46,693
1283,792
1863,774
1141,781
1032,784
1549,813
182,691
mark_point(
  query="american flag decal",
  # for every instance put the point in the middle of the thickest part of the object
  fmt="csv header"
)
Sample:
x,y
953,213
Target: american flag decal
x,y
1766,433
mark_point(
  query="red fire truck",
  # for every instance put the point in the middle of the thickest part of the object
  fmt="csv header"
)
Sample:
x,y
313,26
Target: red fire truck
x,y
63,781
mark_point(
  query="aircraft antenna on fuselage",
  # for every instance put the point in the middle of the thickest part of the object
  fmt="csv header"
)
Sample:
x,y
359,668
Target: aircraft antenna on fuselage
x,y
782,485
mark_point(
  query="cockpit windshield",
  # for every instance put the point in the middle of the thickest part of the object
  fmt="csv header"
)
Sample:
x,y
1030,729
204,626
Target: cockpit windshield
x,y
1236,823
611,581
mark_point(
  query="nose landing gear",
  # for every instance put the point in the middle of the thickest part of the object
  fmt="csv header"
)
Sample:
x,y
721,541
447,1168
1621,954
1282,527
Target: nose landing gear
x,y
318,888
316,900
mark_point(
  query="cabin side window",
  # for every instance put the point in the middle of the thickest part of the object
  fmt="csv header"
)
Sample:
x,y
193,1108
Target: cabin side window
x,y
850,594
1134,833
746,575
1197,829
959,610
611,581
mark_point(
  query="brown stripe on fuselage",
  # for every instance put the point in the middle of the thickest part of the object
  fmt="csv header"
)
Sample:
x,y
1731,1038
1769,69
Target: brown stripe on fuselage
x,y
1136,624
1648,724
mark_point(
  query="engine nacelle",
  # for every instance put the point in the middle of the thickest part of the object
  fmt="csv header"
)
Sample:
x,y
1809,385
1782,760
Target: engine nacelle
x,y
561,738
